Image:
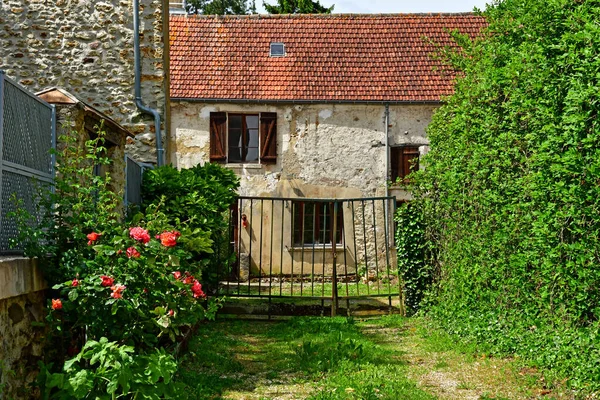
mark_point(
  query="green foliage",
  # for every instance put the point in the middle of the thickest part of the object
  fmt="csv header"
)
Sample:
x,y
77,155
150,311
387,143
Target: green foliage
x,y
158,303
416,260
199,197
510,191
221,7
122,293
107,370
81,202
297,7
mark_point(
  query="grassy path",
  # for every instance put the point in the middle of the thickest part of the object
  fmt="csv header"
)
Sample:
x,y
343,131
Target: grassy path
x,y
325,358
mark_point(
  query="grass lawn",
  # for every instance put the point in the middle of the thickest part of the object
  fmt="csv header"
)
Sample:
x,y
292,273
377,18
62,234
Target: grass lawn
x,y
338,358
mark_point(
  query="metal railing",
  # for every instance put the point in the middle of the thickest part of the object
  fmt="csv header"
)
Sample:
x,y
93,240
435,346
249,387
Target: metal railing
x,y
134,174
328,250
27,135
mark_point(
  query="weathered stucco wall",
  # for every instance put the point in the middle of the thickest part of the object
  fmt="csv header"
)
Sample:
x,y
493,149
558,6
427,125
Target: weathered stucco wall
x,y
323,148
21,306
324,151
86,47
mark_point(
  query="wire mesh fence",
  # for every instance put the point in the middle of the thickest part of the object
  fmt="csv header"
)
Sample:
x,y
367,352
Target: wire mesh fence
x,y
27,135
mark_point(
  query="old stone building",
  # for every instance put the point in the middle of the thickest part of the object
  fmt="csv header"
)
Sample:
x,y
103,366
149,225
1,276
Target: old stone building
x,y
309,106
86,47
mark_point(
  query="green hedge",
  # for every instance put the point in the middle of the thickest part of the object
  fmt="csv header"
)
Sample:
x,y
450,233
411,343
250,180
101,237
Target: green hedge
x,y
511,189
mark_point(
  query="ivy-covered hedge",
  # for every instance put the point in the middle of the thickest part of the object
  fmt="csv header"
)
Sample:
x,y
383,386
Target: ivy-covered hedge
x,y
511,188
416,256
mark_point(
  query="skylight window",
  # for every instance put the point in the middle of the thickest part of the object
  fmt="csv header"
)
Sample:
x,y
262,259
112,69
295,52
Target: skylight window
x,y
277,49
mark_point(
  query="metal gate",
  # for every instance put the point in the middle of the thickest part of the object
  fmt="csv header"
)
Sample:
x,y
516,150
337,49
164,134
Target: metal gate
x,y
328,253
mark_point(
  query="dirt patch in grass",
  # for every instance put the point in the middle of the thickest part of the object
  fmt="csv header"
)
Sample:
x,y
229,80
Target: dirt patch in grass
x,y
450,370
339,358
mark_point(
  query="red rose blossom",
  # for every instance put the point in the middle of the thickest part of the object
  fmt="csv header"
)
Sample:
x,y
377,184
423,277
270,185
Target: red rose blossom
x,y
132,252
197,290
177,275
168,239
92,237
107,280
188,280
56,304
117,291
171,313
75,282
139,234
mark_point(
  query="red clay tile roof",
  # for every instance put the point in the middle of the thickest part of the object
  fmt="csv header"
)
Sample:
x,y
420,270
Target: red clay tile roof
x,y
330,58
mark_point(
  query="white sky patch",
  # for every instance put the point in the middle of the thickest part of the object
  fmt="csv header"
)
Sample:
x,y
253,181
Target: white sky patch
x,y
395,6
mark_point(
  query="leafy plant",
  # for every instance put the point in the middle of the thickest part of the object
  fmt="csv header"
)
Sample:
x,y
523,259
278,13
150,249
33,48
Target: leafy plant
x,y
105,370
123,294
199,197
416,257
510,193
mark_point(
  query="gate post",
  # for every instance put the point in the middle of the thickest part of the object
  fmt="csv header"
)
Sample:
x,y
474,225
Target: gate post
x,y
334,291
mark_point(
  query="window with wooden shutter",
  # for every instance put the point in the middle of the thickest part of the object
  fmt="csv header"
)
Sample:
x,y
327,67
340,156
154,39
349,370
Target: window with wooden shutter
x,y
218,137
268,138
404,160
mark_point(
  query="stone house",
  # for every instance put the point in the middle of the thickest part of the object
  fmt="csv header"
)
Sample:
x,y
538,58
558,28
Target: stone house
x,y
87,48
308,106
74,114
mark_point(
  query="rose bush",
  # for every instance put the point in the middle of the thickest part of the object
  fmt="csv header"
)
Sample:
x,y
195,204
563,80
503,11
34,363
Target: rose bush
x,y
139,297
134,287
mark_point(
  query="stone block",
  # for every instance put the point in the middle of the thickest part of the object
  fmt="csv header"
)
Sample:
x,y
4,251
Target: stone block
x,y
244,274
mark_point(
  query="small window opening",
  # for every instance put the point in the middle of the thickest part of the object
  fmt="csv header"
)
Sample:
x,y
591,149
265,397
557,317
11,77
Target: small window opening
x,y
277,49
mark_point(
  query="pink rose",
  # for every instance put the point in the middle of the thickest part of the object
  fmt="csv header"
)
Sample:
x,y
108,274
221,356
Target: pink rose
x,y
168,239
133,253
117,291
139,234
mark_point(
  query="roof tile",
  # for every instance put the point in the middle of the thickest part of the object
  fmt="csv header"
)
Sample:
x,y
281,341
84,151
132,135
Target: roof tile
x,y
341,57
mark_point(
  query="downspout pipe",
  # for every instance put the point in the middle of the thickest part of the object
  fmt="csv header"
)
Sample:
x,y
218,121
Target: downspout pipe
x,y
387,148
137,84
387,173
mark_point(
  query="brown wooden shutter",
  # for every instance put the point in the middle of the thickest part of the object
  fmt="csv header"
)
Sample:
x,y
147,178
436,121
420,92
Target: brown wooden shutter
x,y
403,160
218,139
410,160
268,138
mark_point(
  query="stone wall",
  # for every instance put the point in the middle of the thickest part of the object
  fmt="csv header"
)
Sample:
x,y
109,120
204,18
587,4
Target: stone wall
x,y
86,47
21,307
324,150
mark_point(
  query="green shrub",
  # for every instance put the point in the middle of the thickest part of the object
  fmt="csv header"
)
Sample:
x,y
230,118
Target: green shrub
x,y
416,261
510,191
201,197
107,370
123,295
198,195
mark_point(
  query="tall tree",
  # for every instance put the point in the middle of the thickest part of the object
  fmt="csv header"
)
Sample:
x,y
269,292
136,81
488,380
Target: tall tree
x,y
297,7
221,7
